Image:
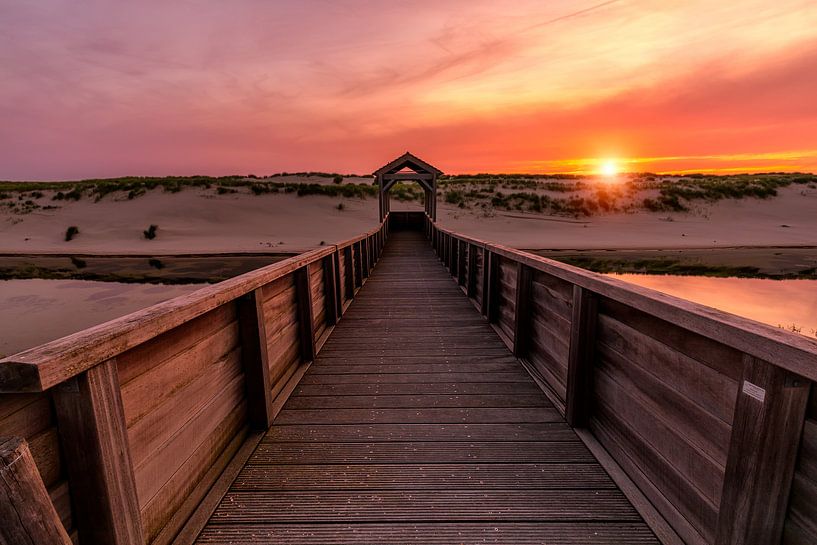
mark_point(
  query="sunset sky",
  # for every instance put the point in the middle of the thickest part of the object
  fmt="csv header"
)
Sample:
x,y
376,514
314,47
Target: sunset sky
x,y
97,88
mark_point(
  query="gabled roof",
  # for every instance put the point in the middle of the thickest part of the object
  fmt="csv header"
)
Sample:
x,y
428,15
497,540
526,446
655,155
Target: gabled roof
x,y
407,160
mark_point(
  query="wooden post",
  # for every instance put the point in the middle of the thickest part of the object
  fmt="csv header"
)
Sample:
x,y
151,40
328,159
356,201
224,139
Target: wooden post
x,y
461,247
766,432
471,283
306,325
26,512
486,282
492,310
578,402
94,438
349,272
330,290
339,288
358,264
255,360
454,260
521,315
364,257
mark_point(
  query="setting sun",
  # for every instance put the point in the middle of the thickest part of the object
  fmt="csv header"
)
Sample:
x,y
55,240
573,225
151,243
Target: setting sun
x,y
609,168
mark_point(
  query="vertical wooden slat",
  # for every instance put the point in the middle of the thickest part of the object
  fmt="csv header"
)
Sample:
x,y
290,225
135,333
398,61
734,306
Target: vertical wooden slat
x,y
486,282
94,438
364,257
578,402
492,311
349,272
27,515
471,283
454,261
306,325
357,264
255,360
330,290
766,432
461,247
521,318
339,288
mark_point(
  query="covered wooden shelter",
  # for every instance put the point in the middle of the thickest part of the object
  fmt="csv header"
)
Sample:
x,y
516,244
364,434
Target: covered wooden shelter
x,y
408,167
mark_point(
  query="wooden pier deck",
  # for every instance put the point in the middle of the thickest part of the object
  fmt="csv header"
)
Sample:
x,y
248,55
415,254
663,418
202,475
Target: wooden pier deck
x,y
415,423
369,392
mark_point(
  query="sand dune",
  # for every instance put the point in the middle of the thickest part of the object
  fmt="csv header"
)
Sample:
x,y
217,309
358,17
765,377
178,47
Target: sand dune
x,y
197,221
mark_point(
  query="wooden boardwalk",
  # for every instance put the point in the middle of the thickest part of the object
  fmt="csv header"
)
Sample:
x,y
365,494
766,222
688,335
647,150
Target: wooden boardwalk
x,y
416,424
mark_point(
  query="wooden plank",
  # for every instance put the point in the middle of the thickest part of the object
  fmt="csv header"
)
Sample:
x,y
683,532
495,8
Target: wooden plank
x,y
423,505
555,431
306,324
521,317
660,527
27,515
471,283
417,401
476,415
703,385
177,499
423,452
766,433
332,310
254,359
461,262
424,378
222,479
440,476
445,388
94,438
349,273
491,312
436,533
579,395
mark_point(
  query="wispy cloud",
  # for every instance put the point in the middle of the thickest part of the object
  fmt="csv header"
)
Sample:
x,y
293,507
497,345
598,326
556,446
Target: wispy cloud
x,y
102,88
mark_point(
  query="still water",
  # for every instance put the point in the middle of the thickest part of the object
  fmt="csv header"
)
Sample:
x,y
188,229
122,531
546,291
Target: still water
x,y
791,304
36,311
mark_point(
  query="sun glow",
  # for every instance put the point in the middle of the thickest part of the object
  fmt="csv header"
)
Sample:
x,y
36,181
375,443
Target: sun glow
x,y
609,168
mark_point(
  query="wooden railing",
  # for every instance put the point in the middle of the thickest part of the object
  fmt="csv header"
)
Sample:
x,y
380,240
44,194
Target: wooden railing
x,y
136,425
704,418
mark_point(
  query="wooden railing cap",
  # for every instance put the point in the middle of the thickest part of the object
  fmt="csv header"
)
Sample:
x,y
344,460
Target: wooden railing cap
x,y
44,366
790,351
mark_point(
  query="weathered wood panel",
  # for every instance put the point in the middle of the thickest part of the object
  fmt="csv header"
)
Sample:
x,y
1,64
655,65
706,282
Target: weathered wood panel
x,y
283,340
318,299
665,414
801,523
479,264
506,298
344,281
181,407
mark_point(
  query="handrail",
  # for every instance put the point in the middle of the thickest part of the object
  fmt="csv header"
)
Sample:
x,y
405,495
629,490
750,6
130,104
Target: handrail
x,y
44,366
700,413
788,350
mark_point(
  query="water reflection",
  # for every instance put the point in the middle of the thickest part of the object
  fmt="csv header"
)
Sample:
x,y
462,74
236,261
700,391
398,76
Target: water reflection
x,y
36,311
788,303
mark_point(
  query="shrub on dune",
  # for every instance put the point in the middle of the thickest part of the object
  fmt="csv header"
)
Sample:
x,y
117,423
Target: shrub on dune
x,y
150,232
